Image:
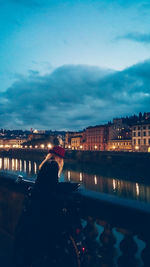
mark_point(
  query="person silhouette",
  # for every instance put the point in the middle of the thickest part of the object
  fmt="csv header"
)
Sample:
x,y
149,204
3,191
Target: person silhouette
x,y
38,225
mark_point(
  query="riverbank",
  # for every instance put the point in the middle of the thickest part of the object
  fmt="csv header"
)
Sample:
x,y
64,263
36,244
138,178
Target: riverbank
x,y
131,160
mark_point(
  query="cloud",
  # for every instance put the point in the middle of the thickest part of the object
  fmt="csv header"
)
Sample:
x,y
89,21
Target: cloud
x,y
74,97
137,37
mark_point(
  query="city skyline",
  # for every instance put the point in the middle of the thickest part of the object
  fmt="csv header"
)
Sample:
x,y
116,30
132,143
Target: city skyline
x,y
67,65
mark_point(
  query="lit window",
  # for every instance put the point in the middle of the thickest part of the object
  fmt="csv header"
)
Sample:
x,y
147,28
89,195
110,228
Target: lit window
x,y
139,141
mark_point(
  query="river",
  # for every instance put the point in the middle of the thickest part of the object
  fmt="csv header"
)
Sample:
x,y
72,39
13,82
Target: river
x,y
96,181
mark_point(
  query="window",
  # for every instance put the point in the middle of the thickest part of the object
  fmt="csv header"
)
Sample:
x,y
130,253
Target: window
x,y
144,141
139,141
134,141
134,133
149,127
144,127
149,141
139,133
144,133
134,128
139,127
149,133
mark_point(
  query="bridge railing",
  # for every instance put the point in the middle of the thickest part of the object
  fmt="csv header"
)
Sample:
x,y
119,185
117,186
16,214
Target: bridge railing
x,y
117,231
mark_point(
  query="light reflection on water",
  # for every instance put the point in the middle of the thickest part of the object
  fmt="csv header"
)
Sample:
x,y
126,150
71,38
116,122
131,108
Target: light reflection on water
x,y
25,167
94,182
110,185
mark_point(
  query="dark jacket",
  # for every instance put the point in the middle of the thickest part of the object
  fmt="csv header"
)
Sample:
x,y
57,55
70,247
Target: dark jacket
x,y
38,225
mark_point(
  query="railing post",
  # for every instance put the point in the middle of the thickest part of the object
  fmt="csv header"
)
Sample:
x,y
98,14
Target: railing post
x,y
145,255
108,250
128,248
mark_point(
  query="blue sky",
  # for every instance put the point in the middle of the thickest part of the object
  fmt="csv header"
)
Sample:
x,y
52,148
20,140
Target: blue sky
x,y
68,64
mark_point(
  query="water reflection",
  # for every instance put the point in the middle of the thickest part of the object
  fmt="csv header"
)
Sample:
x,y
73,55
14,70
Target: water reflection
x,y
26,167
113,186
94,182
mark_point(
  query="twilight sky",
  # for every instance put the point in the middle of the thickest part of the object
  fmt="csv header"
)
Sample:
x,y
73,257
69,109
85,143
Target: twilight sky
x,y
68,64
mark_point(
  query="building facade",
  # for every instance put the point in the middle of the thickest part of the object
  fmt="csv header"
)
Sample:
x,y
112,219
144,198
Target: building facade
x,y
76,142
73,140
119,145
119,130
141,137
11,143
96,138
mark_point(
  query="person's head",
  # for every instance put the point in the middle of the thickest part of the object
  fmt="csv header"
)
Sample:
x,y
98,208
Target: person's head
x,y
57,153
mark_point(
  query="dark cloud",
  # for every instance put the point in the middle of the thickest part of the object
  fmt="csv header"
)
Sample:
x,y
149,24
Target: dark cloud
x,y
74,97
137,37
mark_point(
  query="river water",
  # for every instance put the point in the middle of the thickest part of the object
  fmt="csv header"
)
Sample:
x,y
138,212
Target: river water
x,y
98,180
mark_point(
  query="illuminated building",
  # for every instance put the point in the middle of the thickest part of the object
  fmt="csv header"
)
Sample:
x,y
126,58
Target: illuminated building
x,y
76,142
96,138
119,130
141,137
119,145
11,143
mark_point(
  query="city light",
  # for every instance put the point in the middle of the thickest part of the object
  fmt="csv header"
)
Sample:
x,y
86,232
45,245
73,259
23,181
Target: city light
x,y
95,147
136,147
49,146
42,146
